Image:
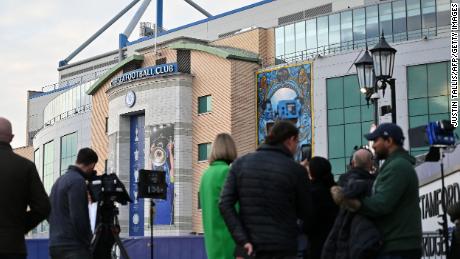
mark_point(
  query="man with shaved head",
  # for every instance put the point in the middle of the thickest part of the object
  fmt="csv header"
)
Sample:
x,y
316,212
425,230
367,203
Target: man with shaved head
x,y
23,200
356,183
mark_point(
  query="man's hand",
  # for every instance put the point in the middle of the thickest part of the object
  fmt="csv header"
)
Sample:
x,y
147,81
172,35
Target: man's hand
x,y
352,205
337,194
248,247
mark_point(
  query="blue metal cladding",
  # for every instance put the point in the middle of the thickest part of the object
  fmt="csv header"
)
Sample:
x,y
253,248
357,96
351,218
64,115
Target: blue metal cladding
x,y
159,15
137,146
179,247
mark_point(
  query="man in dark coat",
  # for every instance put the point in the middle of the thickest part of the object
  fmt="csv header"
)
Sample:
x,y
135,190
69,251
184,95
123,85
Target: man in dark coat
x,y
70,229
341,242
20,189
271,189
394,203
454,213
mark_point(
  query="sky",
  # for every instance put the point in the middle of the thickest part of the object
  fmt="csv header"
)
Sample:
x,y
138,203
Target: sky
x,y
36,35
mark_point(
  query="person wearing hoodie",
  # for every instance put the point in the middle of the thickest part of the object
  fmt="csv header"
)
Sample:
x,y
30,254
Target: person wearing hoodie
x,y
394,203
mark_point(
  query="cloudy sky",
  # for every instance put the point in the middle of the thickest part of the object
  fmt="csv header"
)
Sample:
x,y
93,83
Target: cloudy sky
x,y
35,35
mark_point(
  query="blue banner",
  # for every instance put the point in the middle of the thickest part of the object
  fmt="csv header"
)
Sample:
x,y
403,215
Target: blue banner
x,y
137,146
144,72
162,159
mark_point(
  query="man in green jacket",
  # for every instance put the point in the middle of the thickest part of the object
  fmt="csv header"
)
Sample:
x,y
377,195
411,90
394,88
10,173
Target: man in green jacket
x,y
394,204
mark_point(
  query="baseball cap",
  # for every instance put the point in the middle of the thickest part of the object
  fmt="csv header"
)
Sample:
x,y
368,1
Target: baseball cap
x,y
387,130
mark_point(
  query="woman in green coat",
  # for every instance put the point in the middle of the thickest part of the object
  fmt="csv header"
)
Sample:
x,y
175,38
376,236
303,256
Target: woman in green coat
x,y
218,241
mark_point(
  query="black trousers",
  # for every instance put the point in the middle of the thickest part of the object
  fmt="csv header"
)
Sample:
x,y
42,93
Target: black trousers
x,y
69,253
13,256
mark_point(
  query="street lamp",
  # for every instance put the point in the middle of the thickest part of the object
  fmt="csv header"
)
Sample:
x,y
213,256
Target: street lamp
x,y
365,70
382,63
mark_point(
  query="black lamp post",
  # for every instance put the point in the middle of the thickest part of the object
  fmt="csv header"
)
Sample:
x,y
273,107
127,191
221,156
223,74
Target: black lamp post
x,y
384,63
366,79
375,73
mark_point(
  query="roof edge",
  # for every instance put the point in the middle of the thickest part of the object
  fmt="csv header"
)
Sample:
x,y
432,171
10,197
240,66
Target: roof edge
x,y
92,90
214,50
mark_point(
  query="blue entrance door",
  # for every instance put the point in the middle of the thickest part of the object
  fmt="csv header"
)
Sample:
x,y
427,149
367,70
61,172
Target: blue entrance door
x,y
137,145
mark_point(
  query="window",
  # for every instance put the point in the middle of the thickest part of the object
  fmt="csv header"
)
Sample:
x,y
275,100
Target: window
x,y
279,37
334,32
399,21
414,22
311,36
204,150
323,34
385,18
289,35
442,13
106,124
300,43
346,30
428,94
68,151
204,104
372,24
359,27
429,18
48,168
348,118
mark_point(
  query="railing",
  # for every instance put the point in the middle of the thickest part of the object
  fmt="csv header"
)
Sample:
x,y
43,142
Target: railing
x,y
68,114
332,49
73,81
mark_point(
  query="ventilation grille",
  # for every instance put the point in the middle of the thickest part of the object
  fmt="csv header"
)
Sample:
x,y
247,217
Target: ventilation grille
x,y
160,61
183,61
320,10
131,66
291,18
313,12
230,33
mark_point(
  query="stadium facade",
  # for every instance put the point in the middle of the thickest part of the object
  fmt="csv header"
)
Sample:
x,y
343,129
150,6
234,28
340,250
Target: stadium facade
x,y
161,106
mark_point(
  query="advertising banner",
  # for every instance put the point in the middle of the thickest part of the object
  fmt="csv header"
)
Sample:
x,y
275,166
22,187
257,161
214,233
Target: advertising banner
x,y
161,158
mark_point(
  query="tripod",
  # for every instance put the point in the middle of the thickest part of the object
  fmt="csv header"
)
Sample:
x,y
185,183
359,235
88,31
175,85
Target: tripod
x,y
445,228
152,215
107,232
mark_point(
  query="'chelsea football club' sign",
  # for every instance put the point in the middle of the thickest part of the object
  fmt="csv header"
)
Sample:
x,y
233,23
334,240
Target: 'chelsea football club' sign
x,y
144,73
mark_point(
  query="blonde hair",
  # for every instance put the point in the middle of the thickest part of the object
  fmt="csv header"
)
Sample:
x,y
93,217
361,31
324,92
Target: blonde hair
x,y
223,148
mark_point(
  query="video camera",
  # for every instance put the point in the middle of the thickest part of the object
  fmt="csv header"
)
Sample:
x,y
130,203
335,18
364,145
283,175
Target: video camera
x,y
437,133
108,187
440,133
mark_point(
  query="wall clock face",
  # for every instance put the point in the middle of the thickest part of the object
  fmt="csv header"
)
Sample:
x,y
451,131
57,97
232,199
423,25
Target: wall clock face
x,y
130,99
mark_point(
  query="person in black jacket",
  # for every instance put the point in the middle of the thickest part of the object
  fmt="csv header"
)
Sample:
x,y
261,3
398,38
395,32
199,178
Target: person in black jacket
x,y
324,208
271,189
454,213
20,187
354,236
70,229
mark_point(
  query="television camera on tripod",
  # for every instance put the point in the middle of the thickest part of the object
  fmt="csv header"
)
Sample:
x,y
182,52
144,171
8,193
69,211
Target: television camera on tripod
x,y
440,137
107,189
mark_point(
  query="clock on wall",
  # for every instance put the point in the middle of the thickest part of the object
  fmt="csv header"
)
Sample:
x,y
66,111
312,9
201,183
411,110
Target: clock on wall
x,y
130,99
